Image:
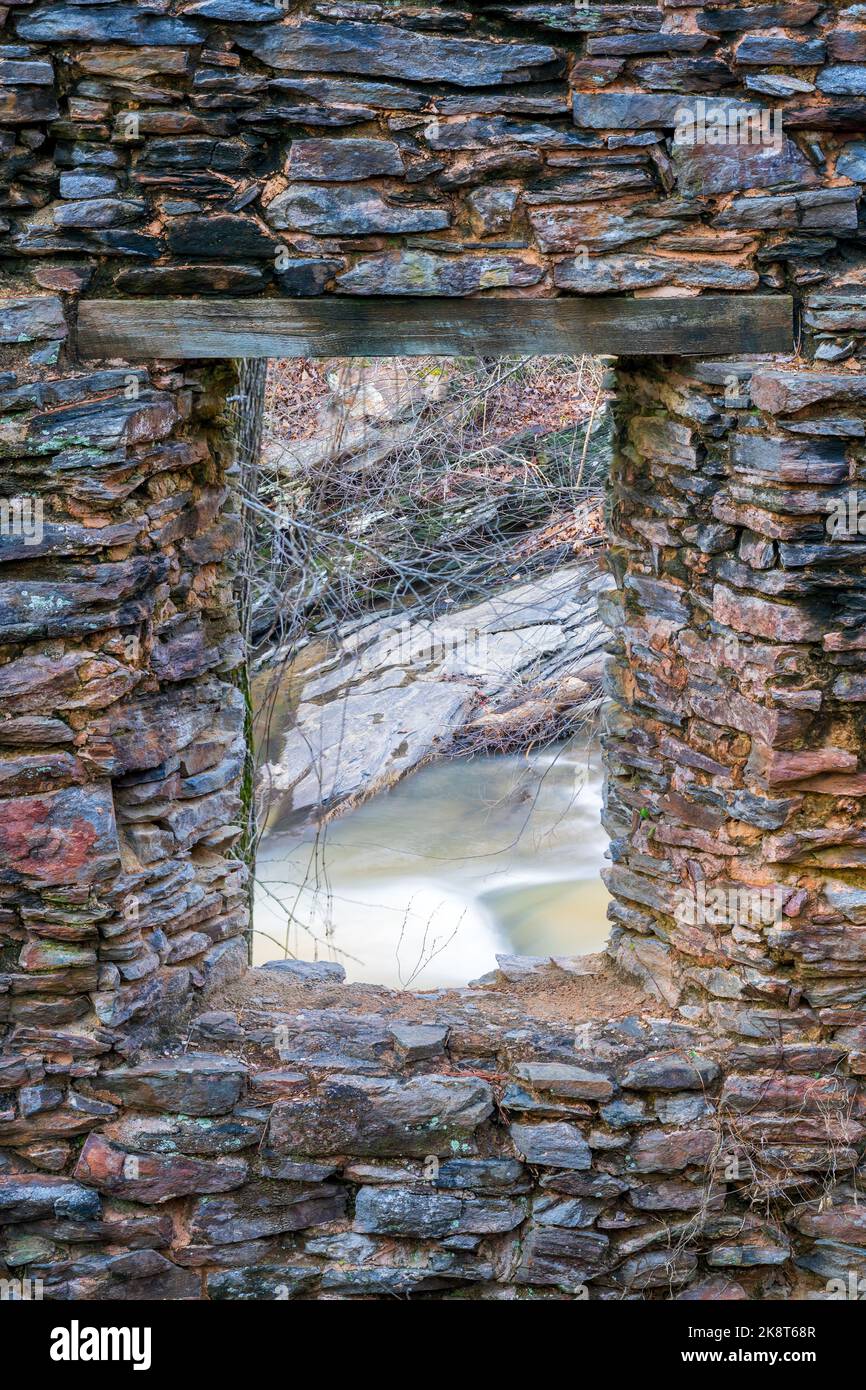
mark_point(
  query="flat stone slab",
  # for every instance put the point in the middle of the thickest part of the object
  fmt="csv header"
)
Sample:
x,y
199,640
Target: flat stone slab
x,y
426,1115
557,1145
307,972
192,1084
418,1040
561,1080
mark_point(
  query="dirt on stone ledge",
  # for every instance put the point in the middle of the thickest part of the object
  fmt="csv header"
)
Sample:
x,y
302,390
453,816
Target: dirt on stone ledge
x,y
552,994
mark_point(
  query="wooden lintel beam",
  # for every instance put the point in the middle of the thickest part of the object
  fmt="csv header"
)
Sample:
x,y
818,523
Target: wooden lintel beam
x,y
406,327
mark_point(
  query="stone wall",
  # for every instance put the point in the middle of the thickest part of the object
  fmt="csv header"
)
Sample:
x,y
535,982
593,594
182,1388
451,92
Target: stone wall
x,y
121,729
340,1146
736,750
156,1144
239,147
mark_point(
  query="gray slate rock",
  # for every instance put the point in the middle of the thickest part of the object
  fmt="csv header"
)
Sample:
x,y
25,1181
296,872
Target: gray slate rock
x,y
307,972
108,24
484,1174
852,161
730,19
846,79
557,1079
339,161
259,1282
603,274
493,208
479,132
27,319
759,49
640,110
190,1084
264,1209
220,234
397,1212
83,185
234,11
90,213
37,1196
419,1040
556,1145
348,211
383,50
705,169
182,279
380,1116
833,208
305,276
564,1258
671,1071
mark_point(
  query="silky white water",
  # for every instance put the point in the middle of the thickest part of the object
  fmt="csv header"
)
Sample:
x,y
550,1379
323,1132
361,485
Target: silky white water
x,y
426,882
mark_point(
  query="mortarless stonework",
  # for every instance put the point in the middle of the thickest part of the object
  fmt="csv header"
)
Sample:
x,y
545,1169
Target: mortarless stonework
x,y
235,147
154,1146
735,749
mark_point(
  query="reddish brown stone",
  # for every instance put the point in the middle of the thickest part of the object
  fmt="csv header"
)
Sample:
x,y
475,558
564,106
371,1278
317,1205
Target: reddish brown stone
x,y
154,1178
761,617
775,769
669,1151
776,1092
67,836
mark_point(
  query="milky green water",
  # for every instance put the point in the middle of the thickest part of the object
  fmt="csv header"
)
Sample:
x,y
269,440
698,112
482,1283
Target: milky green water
x,y
425,883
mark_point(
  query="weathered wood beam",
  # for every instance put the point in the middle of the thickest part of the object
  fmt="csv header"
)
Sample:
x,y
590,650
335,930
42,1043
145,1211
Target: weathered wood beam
x,y
190,328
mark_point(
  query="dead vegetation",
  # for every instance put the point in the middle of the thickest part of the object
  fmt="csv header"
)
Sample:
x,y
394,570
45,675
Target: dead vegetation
x,y
395,481
421,486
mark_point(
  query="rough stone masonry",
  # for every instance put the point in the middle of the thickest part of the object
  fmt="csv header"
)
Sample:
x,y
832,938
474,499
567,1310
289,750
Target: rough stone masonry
x,y
157,1146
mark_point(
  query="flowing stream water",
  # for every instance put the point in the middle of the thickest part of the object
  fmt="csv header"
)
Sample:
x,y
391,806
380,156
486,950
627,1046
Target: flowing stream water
x,y
427,881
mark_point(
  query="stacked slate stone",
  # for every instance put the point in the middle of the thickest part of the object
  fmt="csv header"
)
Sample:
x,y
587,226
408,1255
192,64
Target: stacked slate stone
x,y
121,738
232,147
333,1153
736,747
